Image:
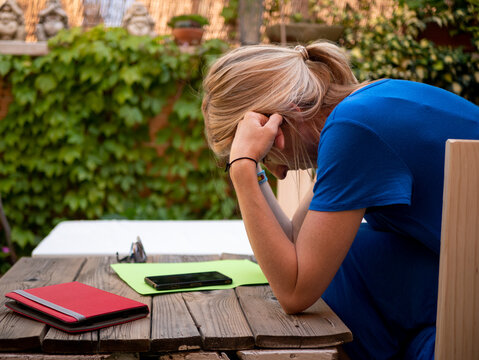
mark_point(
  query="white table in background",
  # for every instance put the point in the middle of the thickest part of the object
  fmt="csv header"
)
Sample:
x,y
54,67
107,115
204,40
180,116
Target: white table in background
x,y
106,237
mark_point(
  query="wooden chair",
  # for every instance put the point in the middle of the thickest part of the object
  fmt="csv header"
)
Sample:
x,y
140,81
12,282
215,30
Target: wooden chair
x,y
457,335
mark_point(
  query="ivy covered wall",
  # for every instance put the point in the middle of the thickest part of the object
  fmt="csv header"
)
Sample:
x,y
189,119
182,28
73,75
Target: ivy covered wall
x,y
107,125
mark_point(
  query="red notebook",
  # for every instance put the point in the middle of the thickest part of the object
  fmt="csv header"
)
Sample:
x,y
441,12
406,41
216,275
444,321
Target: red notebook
x,y
75,307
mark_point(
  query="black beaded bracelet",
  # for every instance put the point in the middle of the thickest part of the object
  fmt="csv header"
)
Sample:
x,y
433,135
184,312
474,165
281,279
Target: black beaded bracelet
x,y
228,165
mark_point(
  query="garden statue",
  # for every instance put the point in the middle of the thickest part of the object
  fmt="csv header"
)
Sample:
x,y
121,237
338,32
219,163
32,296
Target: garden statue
x,y
12,23
137,21
91,15
52,19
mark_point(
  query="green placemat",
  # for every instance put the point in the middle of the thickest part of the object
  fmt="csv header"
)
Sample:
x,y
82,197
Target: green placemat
x,y
243,272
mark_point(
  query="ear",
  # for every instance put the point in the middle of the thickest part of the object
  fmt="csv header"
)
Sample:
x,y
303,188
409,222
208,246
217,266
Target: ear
x,y
279,139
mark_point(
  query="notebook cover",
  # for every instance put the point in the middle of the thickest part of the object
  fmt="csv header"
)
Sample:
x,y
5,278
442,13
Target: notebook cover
x,y
75,306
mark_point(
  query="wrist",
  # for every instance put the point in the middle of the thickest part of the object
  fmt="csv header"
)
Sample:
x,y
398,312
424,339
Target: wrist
x,y
261,176
238,159
242,170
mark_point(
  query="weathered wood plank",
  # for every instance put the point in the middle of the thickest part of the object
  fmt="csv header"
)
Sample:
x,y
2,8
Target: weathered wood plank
x,y
316,327
34,272
458,295
172,327
60,342
229,256
23,48
175,258
217,314
20,356
220,320
18,333
312,354
195,356
133,336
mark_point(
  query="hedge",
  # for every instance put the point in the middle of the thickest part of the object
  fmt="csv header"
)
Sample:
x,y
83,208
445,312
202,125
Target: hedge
x,y
392,47
77,142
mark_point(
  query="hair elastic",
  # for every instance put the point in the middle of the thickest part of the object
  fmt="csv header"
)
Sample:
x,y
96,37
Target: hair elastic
x,y
228,165
303,51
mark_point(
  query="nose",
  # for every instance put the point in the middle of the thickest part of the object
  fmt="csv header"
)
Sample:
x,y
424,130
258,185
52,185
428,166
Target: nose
x,y
279,171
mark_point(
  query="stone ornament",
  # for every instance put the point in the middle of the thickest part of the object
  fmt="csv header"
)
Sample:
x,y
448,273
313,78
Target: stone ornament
x,y
137,21
12,22
52,19
91,15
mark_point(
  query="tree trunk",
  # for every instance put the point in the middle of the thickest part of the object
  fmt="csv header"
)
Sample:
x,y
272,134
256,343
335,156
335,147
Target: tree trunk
x,y
250,15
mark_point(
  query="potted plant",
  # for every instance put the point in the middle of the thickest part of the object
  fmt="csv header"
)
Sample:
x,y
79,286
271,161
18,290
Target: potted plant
x,y
188,29
301,30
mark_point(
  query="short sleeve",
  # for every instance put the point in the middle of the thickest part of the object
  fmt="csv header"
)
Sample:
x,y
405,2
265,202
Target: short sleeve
x,y
357,169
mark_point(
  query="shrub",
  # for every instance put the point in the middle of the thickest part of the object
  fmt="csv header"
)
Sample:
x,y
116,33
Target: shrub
x,y
76,141
383,47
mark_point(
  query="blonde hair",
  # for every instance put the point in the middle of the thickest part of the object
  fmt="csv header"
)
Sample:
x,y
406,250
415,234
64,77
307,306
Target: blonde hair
x,y
271,79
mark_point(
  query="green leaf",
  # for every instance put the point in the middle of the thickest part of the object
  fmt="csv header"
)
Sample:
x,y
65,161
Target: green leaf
x,y
25,95
131,115
69,154
187,109
163,135
130,74
92,73
95,101
5,65
122,93
45,83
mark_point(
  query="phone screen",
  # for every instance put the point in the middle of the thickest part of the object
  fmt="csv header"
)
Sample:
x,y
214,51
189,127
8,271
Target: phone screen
x,y
189,280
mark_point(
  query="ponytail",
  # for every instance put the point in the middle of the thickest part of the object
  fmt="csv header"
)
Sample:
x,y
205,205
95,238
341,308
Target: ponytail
x,y
325,56
330,65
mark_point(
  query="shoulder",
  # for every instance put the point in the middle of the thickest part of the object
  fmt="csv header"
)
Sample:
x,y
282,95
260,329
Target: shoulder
x,y
400,105
415,94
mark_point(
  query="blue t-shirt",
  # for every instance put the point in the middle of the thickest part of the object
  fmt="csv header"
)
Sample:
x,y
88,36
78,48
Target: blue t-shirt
x,y
382,148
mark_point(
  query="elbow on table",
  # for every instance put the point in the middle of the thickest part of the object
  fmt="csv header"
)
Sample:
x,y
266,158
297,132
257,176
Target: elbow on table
x,y
295,304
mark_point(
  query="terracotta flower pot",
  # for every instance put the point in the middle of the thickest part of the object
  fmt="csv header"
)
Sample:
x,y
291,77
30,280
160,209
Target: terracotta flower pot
x,y
188,36
304,32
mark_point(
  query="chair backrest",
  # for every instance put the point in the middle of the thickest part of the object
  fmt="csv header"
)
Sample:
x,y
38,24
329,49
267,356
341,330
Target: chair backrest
x,y
457,335
292,189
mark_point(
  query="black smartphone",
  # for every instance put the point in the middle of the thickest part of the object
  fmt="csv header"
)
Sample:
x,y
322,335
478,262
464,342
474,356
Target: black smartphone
x,y
189,280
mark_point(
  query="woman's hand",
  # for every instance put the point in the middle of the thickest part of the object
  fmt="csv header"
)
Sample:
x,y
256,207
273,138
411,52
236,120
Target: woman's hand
x,y
255,135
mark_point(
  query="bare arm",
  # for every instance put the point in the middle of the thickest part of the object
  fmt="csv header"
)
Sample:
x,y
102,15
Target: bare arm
x,y
323,242
292,226
323,239
285,223
301,211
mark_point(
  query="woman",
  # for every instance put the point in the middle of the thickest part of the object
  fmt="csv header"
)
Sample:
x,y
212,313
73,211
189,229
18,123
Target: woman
x,y
378,149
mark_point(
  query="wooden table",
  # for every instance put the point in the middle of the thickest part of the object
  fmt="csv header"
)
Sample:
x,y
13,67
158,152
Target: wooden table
x,y
242,323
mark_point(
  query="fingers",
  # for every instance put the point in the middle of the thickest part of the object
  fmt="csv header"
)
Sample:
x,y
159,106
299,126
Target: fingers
x,y
256,134
256,117
274,122
271,124
279,139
